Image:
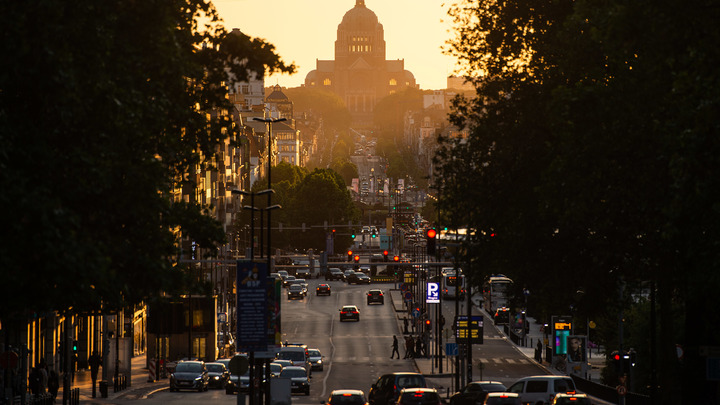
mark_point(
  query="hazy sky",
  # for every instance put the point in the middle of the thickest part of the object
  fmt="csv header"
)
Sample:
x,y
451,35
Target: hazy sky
x,y
305,30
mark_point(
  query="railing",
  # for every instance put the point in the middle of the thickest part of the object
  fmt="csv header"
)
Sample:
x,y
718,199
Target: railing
x,y
607,393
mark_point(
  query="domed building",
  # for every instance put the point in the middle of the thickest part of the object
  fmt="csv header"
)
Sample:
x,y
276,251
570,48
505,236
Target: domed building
x,y
360,75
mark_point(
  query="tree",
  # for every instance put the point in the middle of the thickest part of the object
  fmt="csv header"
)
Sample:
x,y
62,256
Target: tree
x,y
105,111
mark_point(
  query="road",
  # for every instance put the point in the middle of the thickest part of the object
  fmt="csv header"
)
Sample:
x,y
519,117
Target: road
x,y
357,353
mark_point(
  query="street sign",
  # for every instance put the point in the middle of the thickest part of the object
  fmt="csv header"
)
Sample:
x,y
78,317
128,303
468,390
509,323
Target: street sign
x,y
474,327
451,349
238,365
415,313
433,293
408,296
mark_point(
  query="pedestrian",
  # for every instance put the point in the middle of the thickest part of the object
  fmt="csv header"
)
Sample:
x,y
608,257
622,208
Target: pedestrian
x,y
94,361
405,324
35,380
407,347
411,347
395,348
53,384
538,352
44,376
419,348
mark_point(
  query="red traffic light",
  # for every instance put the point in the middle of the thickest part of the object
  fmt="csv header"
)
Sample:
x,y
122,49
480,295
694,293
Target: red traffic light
x,y
616,356
357,258
396,258
431,233
349,252
427,322
385,252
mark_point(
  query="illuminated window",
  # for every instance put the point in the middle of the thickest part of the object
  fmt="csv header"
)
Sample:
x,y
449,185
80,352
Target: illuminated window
x,y
393,82
366,48
326,82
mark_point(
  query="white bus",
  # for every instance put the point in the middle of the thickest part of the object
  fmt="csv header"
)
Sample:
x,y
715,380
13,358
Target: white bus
x,y
453,285
496,291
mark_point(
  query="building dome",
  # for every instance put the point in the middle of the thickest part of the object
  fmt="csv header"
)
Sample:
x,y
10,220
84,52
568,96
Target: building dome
x,y
359,18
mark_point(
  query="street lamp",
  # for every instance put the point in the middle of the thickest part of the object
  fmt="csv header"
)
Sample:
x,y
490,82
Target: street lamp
x,y
269,122
252,217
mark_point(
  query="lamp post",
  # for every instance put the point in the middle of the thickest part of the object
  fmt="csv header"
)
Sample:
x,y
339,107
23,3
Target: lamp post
x,y
252,217
269,122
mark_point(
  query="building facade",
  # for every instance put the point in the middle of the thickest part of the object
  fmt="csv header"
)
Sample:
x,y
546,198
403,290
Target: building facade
x,y
360,74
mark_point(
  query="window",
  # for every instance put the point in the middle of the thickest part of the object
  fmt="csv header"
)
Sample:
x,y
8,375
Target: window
x,y
326,82
245,89
537,386
393,82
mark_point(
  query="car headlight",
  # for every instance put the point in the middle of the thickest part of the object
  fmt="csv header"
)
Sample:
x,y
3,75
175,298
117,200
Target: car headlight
x,y
198,378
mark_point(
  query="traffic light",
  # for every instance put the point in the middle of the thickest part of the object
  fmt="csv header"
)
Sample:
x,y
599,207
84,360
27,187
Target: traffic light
x,y
430,236
349,253
75,346
357,258
428,324
352,233
385,255
374,233
616,360
396,258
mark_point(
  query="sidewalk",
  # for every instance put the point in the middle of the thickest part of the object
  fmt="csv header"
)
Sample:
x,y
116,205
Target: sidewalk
x,y
425,365
138,385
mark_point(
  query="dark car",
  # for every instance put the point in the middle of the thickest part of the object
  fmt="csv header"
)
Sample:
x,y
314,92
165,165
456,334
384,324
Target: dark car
x,y
334,273
363,278
387,388
375,296
316,359
346,397
298,379
189,375
217,375
288,280
349,312
236,382
419,396
295,291
475,392
353,278
323,289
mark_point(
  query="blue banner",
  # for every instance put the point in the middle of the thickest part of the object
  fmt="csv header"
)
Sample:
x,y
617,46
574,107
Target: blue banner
x,y
252,305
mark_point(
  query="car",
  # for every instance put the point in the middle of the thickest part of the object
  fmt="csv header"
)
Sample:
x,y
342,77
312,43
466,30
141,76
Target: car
x,y
299,381
349,312
303,272
419,396
386,390
352,277
316,359
346,273
288,280
295,291
303,283
363,278
571,399
189,375
542,388
323,289
475,392
283,274
275,369
504,398
334,273
217,374
346,397
375,295
365,229
237,382
283,362
224,362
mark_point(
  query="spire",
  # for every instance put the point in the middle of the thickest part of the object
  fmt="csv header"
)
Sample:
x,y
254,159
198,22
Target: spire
x,y
360,3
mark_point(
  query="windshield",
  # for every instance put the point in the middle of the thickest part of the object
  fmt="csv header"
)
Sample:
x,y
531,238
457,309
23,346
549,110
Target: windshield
x,y
292,356
188,368
216,368
293,373
314,353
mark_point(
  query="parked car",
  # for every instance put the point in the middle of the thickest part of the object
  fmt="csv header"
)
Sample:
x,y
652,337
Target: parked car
x,y
571,399
419,396
386,389
323,289
349,312
316,359
189,375
334,273
346,397
295,291
217,374
504,398
541,389
298,379
375,295
475,392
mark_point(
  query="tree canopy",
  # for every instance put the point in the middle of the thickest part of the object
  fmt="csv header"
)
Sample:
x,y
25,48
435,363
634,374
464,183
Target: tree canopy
x,y
592,158
104,112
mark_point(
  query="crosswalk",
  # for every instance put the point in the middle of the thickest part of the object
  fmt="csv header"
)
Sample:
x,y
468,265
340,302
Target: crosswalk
x,y
383,359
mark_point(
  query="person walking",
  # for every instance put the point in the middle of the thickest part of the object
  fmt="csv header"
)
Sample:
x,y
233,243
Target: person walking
x,y
53,384
395,348
419,348
94,361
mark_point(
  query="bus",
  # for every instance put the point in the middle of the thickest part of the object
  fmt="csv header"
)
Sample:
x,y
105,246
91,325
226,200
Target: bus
x,y
453,285
496,292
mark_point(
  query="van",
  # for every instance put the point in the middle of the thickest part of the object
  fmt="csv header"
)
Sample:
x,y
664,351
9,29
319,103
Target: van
x,y
387,388
298,354
541,389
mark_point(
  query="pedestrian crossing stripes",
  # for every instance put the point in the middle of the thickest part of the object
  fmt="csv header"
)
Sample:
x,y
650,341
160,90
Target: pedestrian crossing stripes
x,y
382,359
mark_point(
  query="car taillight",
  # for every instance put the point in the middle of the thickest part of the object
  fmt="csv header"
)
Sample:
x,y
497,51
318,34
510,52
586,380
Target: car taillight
x,y
572,399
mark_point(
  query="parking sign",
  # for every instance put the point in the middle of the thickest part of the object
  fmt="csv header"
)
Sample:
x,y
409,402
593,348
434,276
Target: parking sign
x,y
433,293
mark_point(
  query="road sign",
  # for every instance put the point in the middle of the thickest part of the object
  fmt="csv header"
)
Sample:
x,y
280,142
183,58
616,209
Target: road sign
x,y
238,365
252,322
433,293
415,312
408,296
451,349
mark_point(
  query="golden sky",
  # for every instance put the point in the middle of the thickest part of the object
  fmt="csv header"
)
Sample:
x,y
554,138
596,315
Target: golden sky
x,y
305,30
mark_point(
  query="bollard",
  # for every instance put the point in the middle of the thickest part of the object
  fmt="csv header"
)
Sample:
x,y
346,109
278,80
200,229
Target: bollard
x,y
103,389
